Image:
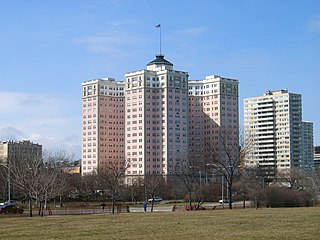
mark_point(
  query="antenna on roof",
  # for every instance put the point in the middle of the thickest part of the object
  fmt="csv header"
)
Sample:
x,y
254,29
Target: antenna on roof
x,y
159,26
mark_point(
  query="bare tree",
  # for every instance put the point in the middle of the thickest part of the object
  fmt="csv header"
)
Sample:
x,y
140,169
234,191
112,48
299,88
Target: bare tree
x,y
36,177
86,186
227,155
152,185
189,173
298,180
246,183
294,179
26,176
59,160
110,180
315,183
135,190
187,177
5,190
46,187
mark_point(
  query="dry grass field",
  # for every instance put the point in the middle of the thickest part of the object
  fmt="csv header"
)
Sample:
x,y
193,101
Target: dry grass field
x,y
283,223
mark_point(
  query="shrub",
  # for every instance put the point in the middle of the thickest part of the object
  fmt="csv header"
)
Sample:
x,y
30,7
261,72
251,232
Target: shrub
x,y
285,197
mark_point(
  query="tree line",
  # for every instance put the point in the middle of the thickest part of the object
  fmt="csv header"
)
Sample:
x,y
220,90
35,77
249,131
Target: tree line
x,y
209,175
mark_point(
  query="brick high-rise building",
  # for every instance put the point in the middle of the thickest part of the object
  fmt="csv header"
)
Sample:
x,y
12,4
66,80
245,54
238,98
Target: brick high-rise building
x,y
155,118
213,111
102,123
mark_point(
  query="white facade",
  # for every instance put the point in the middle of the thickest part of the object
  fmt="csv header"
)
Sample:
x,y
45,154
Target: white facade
x,y
273,127
316,158
10,150
307,146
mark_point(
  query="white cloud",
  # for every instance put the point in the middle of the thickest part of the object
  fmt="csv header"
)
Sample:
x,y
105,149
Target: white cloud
x,y
116,3
11,133
186,38
27,103
247,58
123,22
109,44
114,42
44,119
314,25
193,31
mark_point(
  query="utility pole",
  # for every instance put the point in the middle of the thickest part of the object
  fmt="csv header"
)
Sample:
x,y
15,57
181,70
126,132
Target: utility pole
x,y
7,166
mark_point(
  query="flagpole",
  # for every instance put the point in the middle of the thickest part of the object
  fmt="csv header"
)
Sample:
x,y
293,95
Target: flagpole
x,y
159,26
160,40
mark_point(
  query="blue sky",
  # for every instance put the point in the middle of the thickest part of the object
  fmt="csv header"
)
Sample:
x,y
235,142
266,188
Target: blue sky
x,y
47,48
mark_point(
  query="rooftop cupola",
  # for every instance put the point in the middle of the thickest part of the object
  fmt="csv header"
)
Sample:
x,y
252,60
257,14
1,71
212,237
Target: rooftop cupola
x,y
159,64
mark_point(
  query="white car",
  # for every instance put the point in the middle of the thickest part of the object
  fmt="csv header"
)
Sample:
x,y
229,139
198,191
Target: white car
x,y
11,202
156,199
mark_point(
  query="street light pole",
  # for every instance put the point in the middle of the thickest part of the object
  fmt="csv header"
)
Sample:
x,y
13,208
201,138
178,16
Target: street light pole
x,y
222,183
262,180
8,179
9,183
227,188
222,188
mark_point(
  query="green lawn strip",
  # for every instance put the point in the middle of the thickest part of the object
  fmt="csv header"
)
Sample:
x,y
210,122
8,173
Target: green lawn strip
x,y
290,223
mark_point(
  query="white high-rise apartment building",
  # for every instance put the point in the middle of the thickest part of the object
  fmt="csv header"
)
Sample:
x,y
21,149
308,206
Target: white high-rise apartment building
x,y
273,129
307,146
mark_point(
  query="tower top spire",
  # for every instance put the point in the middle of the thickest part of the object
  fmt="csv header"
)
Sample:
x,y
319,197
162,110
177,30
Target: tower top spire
x,y
160,60
159,63
159,26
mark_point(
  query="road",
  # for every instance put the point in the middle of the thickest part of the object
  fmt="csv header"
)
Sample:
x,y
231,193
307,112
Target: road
x,y
156,208
162,207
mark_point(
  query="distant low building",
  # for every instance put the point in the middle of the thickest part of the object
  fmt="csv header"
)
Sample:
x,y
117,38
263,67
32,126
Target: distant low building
x,y
73,167
316,158
19,149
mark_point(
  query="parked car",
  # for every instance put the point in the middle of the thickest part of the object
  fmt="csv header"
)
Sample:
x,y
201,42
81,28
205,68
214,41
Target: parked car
x,y
156,199
11,208
224,201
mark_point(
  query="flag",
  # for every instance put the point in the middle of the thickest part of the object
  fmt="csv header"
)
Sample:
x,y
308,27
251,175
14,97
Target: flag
x,y
159,25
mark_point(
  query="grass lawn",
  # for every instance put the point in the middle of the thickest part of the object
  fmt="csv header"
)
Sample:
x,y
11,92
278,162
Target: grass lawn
x,y
289,223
